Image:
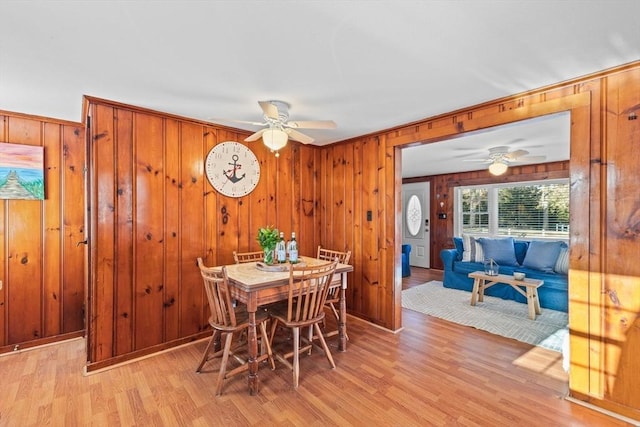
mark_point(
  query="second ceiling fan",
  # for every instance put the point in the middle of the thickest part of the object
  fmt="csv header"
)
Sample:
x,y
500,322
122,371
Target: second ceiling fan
x,y
500,158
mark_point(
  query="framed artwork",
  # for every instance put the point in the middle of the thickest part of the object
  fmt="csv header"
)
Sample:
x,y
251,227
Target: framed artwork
x,y
21,171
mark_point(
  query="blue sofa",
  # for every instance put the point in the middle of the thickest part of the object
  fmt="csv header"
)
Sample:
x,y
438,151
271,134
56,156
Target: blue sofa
x,y
553,294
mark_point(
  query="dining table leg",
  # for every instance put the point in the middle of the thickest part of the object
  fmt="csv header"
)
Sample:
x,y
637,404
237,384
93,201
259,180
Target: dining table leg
x,y
253,353
342,322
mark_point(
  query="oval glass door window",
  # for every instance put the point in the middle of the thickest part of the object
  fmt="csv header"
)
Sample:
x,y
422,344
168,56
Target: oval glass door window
x,y
413,215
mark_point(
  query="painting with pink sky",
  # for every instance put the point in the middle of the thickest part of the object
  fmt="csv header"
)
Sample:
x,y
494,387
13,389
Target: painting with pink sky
x,y
21,172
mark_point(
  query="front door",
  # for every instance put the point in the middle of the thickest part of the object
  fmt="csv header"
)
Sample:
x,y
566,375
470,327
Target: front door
x,y
415,222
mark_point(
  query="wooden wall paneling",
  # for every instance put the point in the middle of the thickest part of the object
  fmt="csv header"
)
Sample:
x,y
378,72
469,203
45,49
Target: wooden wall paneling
x,y
325,195
245,231
352,224
192,228
339,187
622,233
149,229
227,219
354,294
384,213
172,182
101,296
284,193
52,279
306,196
210,138
370,192
24,278
258,207
391,265
73,287
295,212
36,306
580,294
124,232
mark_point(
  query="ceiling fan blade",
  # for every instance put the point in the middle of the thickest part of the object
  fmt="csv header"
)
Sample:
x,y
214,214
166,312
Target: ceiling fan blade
x,y
515,154
477,160
299,136
256,136
269,109
528,159
238,121
311,124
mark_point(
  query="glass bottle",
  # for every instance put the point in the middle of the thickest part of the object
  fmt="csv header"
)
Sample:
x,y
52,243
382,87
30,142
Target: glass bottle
x,y
281,249
293,249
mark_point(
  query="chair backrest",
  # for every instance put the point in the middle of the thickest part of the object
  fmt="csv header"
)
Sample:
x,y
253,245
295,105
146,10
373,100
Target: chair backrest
x,y
308,288
243,257
216,285
331,255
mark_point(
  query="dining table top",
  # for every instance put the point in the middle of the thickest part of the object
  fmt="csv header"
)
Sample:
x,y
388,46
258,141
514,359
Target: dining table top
x,y
249,277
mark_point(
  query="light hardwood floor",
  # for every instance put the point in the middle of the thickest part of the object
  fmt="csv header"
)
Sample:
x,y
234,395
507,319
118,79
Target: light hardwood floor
x,y
432,373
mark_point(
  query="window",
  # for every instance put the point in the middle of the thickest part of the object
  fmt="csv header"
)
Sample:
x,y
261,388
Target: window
x,y
537,209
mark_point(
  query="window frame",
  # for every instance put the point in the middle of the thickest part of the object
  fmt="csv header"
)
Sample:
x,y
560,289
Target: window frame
x,y
492,208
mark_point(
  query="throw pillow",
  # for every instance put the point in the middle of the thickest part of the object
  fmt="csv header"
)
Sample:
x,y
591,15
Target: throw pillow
x,y
562,263
472,251
501,250
542,255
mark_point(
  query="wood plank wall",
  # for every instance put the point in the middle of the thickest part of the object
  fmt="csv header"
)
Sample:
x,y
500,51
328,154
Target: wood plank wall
x,y
154,213
42,268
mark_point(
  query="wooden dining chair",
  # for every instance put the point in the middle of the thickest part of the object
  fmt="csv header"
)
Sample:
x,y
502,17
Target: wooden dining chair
x,y
243,257
308,289
227,320
333,297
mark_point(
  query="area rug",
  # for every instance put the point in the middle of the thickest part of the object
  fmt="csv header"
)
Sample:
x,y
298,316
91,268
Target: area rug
x,y
501,317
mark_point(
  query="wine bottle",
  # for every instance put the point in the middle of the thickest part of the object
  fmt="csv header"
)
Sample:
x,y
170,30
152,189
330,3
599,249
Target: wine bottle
x,y
281,249
293,249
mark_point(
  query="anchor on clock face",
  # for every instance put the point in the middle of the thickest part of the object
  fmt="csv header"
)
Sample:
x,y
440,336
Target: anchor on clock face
x,y
231,174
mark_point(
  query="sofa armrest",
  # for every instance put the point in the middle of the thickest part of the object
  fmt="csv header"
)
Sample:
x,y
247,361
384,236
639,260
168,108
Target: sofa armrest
x,y
448,256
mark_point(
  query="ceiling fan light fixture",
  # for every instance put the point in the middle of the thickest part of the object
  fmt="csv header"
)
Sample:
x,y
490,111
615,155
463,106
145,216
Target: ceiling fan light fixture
x,y
497,168
275,139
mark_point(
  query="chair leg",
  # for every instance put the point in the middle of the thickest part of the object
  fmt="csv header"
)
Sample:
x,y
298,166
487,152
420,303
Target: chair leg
x,y
223,365
296,356
266,344
310,336
205,356
337,316
324,346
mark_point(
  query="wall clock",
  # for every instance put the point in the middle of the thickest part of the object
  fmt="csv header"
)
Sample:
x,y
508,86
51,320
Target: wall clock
x,y
232,169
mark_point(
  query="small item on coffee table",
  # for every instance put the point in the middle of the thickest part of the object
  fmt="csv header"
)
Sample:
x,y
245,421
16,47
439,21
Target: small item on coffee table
x,y
518,275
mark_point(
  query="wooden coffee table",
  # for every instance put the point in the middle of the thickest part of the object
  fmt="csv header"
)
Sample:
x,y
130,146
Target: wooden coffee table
x,y
482,281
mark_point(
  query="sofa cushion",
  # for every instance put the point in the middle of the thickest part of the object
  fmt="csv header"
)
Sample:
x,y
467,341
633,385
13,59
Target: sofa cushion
x,y
562,263
520,247
542,255
457,242
501,250
472,249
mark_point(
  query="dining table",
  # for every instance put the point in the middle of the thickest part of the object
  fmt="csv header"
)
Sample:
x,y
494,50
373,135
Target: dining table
x,y
256,287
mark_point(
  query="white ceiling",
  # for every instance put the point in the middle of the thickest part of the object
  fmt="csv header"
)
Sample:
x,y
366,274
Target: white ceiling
x,y
367,65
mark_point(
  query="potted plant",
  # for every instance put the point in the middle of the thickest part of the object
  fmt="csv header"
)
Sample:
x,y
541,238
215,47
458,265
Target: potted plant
x,y
268,238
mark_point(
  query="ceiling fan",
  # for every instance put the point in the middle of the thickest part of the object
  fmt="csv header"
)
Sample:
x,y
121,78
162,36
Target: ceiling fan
x,y
500,158
279,129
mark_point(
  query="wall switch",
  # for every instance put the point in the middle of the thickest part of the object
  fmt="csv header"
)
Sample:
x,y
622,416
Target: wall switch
x,y
369,216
